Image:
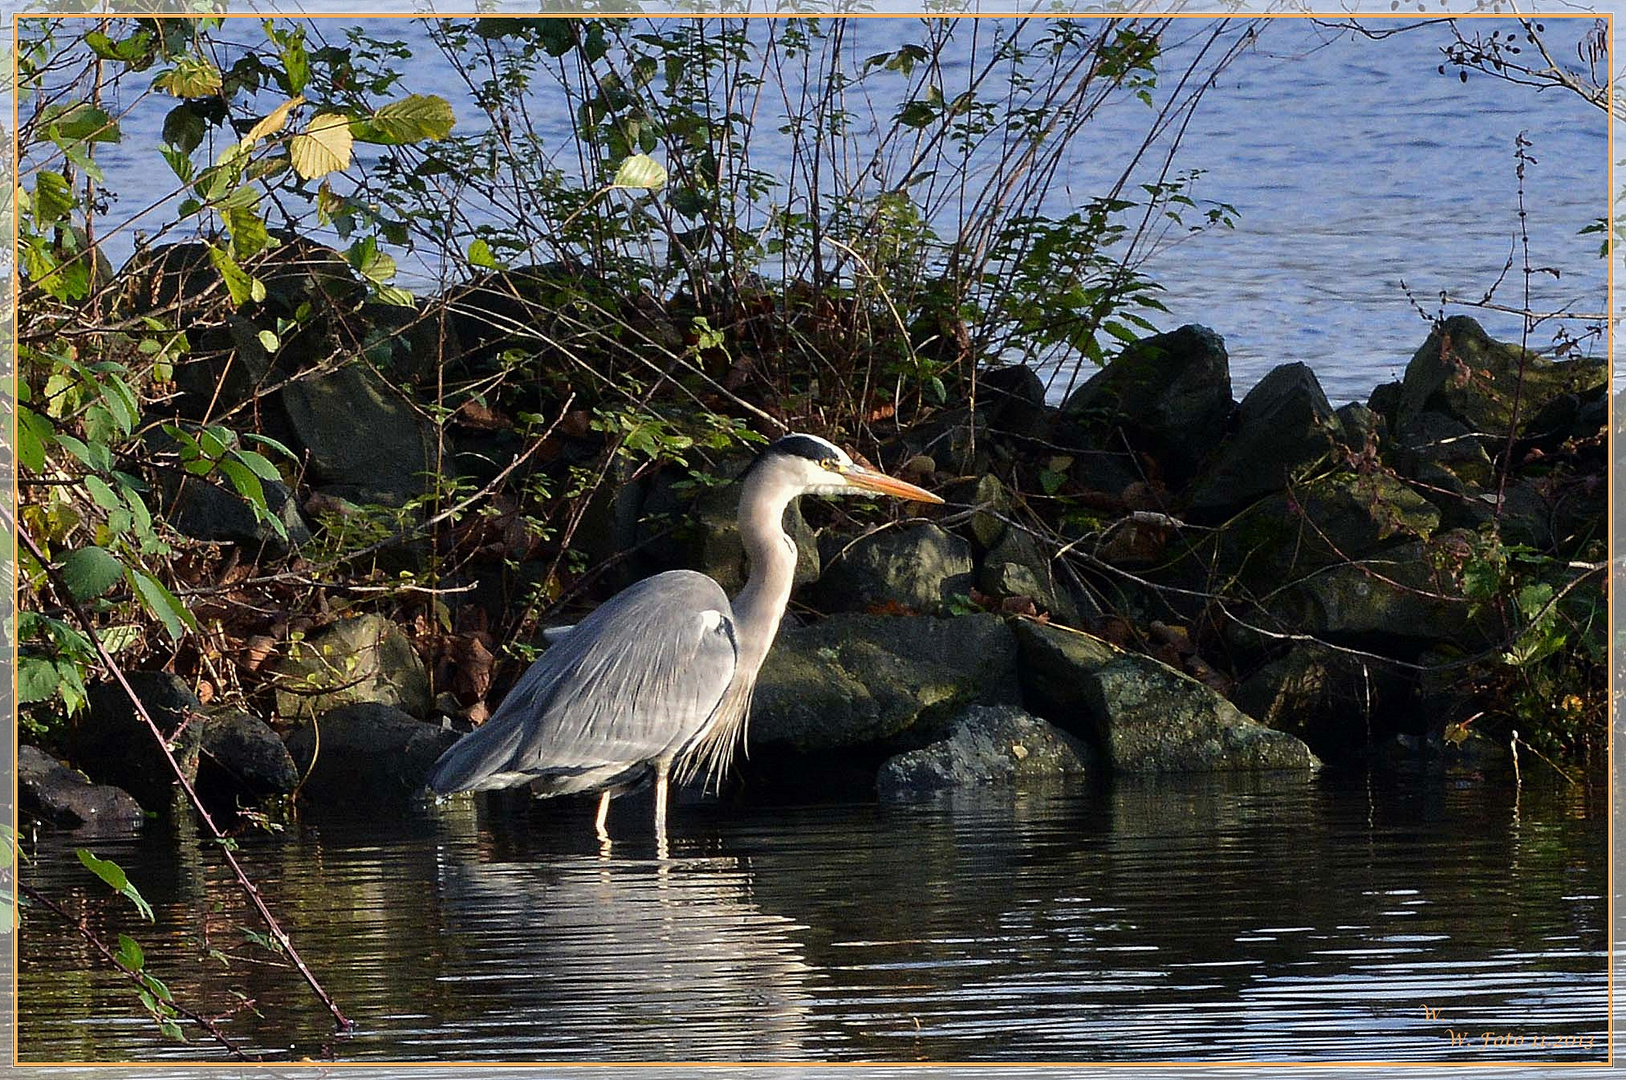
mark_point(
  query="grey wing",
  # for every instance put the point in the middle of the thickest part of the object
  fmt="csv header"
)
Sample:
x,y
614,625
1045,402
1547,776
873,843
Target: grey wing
x,y
637,680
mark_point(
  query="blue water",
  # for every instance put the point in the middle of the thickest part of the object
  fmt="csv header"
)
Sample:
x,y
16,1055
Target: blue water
x,y
1353,164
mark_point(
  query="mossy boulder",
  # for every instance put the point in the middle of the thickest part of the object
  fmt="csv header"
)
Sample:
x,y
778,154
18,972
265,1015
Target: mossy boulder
x,y
861,680
367,659
1140,714
1462,372
916,568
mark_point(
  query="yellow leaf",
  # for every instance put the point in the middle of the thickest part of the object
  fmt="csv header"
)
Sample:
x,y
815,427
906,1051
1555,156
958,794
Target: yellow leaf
x,y
323,147
273,121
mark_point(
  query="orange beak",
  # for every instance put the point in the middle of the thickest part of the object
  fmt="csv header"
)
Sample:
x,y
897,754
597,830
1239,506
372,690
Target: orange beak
x,y
867,479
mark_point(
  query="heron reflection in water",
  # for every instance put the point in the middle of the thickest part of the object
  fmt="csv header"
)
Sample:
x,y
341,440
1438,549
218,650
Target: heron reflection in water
x,y
658,680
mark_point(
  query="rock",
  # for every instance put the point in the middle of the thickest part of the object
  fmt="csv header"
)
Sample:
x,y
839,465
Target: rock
x,y
1145,716
242,759
985,744
1397,597
226,366
1325,521
1385,401
986,527
365,659
1016,566
853,680
169,276
716,548
1360,426
361,435
358,753
51,790
919,568
113,746
1014,399
1461,372
1284,424
1432,438
207,511
1170,394
1336,702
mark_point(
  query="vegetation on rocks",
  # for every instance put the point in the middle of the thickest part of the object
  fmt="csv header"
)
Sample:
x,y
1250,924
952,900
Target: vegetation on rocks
x,y
320,513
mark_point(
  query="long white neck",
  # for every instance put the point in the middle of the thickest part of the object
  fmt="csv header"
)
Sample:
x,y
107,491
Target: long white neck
x,y
760,605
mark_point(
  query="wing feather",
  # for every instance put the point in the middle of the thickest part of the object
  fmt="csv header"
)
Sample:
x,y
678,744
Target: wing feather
x,y
637,680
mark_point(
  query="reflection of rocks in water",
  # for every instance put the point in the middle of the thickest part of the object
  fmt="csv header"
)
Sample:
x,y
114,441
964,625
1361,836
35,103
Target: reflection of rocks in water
x,y
610,958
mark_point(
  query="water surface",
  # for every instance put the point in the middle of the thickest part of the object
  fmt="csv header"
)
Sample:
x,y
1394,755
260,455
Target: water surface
x,y
1204,920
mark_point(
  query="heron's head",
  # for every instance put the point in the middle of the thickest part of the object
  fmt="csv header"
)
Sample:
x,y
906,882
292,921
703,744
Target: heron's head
x,y
809,465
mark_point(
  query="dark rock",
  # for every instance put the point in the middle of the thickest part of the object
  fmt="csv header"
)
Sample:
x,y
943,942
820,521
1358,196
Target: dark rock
x,y
362,435
1014,398
985,744
169,276
206,511
1338,703
1143,715
1461,372
357,753
367,659
919,568
226,365
299,271
1432,438
113,745
1361,426
1397,599
1284,424
1385,401
1018,566
48,789
1170,395
853,680
243,759
1565,417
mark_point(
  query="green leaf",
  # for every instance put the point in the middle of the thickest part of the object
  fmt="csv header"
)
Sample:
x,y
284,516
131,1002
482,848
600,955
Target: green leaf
x,y
79,123
191,77
91,571
37,678
130,954
34,434
243,479
413,119
480,255
258,463
239,282
323,147
103,493
161,603
53,198
642,172
114,876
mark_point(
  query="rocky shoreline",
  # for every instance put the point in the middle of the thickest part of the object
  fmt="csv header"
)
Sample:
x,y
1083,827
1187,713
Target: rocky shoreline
x,y
1150,577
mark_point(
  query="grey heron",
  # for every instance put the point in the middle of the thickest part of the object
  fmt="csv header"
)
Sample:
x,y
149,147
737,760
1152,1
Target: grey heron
x,y
657,681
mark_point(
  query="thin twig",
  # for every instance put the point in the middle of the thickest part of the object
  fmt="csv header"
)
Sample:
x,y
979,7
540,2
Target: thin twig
x,y
249,888
82,927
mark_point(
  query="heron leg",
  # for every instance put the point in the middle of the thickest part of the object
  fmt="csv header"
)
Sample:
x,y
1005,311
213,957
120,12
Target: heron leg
x,y
660,802
603,814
